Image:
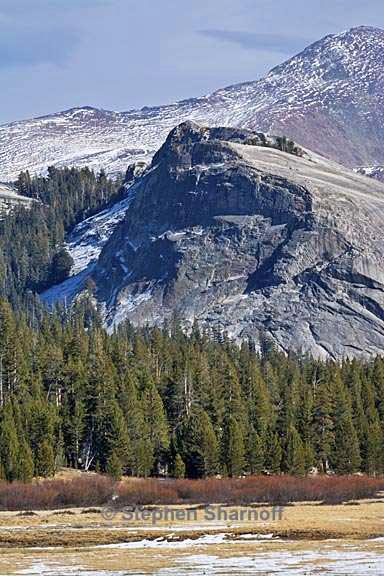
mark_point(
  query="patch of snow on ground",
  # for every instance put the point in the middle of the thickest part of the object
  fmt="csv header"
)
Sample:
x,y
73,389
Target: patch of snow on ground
x,y
287,563
317,558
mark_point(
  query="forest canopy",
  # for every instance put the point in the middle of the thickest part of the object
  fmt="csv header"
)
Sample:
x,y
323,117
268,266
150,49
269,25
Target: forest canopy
x,y
149,402
32,251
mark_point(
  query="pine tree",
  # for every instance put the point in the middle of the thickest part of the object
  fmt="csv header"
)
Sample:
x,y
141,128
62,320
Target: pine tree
x,y
255,453
113,466
140,449
232,448
373,463
9,445
323,424
155,421
198,445
45,460
41,432
61,265
274,453
295,458
111,436
178,467
209,444
256,396
346,454
10,354
25,470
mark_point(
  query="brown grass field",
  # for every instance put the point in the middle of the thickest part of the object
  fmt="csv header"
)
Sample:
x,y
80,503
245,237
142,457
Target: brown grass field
x,y
80,527
71,535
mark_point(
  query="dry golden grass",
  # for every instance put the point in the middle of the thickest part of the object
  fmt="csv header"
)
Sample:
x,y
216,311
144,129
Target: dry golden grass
x,y
71,473
77,527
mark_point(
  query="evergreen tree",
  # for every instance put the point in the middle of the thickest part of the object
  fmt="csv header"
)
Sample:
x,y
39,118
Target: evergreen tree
x,y
198,445
233,450
274,453
296,461
62,263
113,467
11,362
45,460
155,421
179,467
255,452
141,450
345,454
111,436
373,463
25,470
323,424
9,445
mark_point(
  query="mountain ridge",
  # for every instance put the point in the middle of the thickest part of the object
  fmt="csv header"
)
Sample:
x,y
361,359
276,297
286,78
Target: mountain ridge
x,y
328,98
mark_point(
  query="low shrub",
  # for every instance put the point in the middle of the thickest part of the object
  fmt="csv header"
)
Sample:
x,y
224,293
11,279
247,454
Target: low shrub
x,y
92,490
96,490
254,489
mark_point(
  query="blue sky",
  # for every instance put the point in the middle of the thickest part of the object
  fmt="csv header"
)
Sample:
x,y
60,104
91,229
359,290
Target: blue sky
x,y
123,54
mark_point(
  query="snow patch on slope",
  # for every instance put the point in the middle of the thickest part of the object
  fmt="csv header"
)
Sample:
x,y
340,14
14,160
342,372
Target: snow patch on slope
x,y
9,198
88,238
84,245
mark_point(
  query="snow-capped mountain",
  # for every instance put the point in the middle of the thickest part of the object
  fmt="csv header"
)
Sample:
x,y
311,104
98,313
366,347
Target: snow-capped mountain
x,y
328,98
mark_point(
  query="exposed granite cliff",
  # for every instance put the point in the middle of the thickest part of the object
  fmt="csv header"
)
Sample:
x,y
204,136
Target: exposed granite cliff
x,y
249,233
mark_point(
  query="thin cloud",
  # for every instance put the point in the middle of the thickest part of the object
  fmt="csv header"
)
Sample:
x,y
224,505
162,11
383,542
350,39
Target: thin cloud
x,y
259,41
22,45
34,32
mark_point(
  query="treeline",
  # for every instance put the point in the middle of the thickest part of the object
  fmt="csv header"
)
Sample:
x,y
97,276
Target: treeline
x,y
32,256
150,402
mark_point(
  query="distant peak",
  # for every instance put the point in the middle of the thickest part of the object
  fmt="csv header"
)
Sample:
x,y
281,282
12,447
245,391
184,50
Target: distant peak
x,y
78,109
368,33
365,29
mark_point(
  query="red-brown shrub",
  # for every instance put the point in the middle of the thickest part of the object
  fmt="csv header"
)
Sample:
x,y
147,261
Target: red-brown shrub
x,y
253,489
148,491
96,490
49,494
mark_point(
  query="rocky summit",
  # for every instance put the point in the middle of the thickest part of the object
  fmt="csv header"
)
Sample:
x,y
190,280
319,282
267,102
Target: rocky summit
x,y
252,235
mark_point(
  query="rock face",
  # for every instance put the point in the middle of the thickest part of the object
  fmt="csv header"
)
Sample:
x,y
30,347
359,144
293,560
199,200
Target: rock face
x,y
328,98
250,234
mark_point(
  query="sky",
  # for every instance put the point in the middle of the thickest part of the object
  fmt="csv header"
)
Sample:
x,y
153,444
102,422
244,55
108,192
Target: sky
x,y
124,54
